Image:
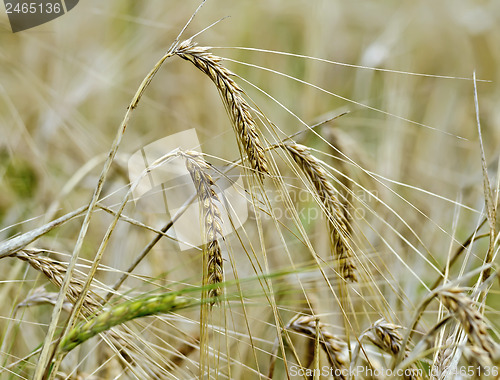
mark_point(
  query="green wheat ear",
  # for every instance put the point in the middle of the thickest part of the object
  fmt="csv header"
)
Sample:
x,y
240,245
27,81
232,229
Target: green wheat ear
x,y
122,313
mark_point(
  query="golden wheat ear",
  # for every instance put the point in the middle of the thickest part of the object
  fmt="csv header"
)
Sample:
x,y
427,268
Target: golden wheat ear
x,y
333,346
385,336
232,95
55,271
198,169
462,308
337,223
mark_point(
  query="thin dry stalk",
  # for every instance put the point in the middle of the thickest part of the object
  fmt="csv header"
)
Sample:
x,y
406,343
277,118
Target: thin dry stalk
x,y
204,183
232,96
488,194
339,234
333,346
14,244
78,376
455,300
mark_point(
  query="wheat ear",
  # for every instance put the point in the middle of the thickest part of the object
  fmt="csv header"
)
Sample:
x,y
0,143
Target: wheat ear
x,y
387,337
203,182
232,96
55,271
455,300
121,313
333,346
339,234
443,359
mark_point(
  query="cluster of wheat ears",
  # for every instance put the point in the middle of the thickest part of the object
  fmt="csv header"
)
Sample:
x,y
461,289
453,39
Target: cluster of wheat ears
x,y
365,340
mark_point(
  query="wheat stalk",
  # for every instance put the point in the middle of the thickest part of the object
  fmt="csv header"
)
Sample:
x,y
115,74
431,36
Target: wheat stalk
x,y
122,313
339,234
77,376
333,346
232,96
204,183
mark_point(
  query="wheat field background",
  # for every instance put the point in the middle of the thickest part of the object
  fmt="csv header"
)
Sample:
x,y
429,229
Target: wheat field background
x,y
404,162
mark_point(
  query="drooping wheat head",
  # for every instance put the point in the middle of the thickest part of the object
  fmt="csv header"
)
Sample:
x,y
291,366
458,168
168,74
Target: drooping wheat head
x,y
385,336
55,271
472,321
339,233
333,346
477,357
388,338
234,101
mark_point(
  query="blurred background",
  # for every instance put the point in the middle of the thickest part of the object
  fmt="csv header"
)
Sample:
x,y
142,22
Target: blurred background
x,y
65,86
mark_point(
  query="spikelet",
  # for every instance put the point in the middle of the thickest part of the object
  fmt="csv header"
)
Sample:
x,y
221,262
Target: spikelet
x,y
444,357
232,96
40,296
